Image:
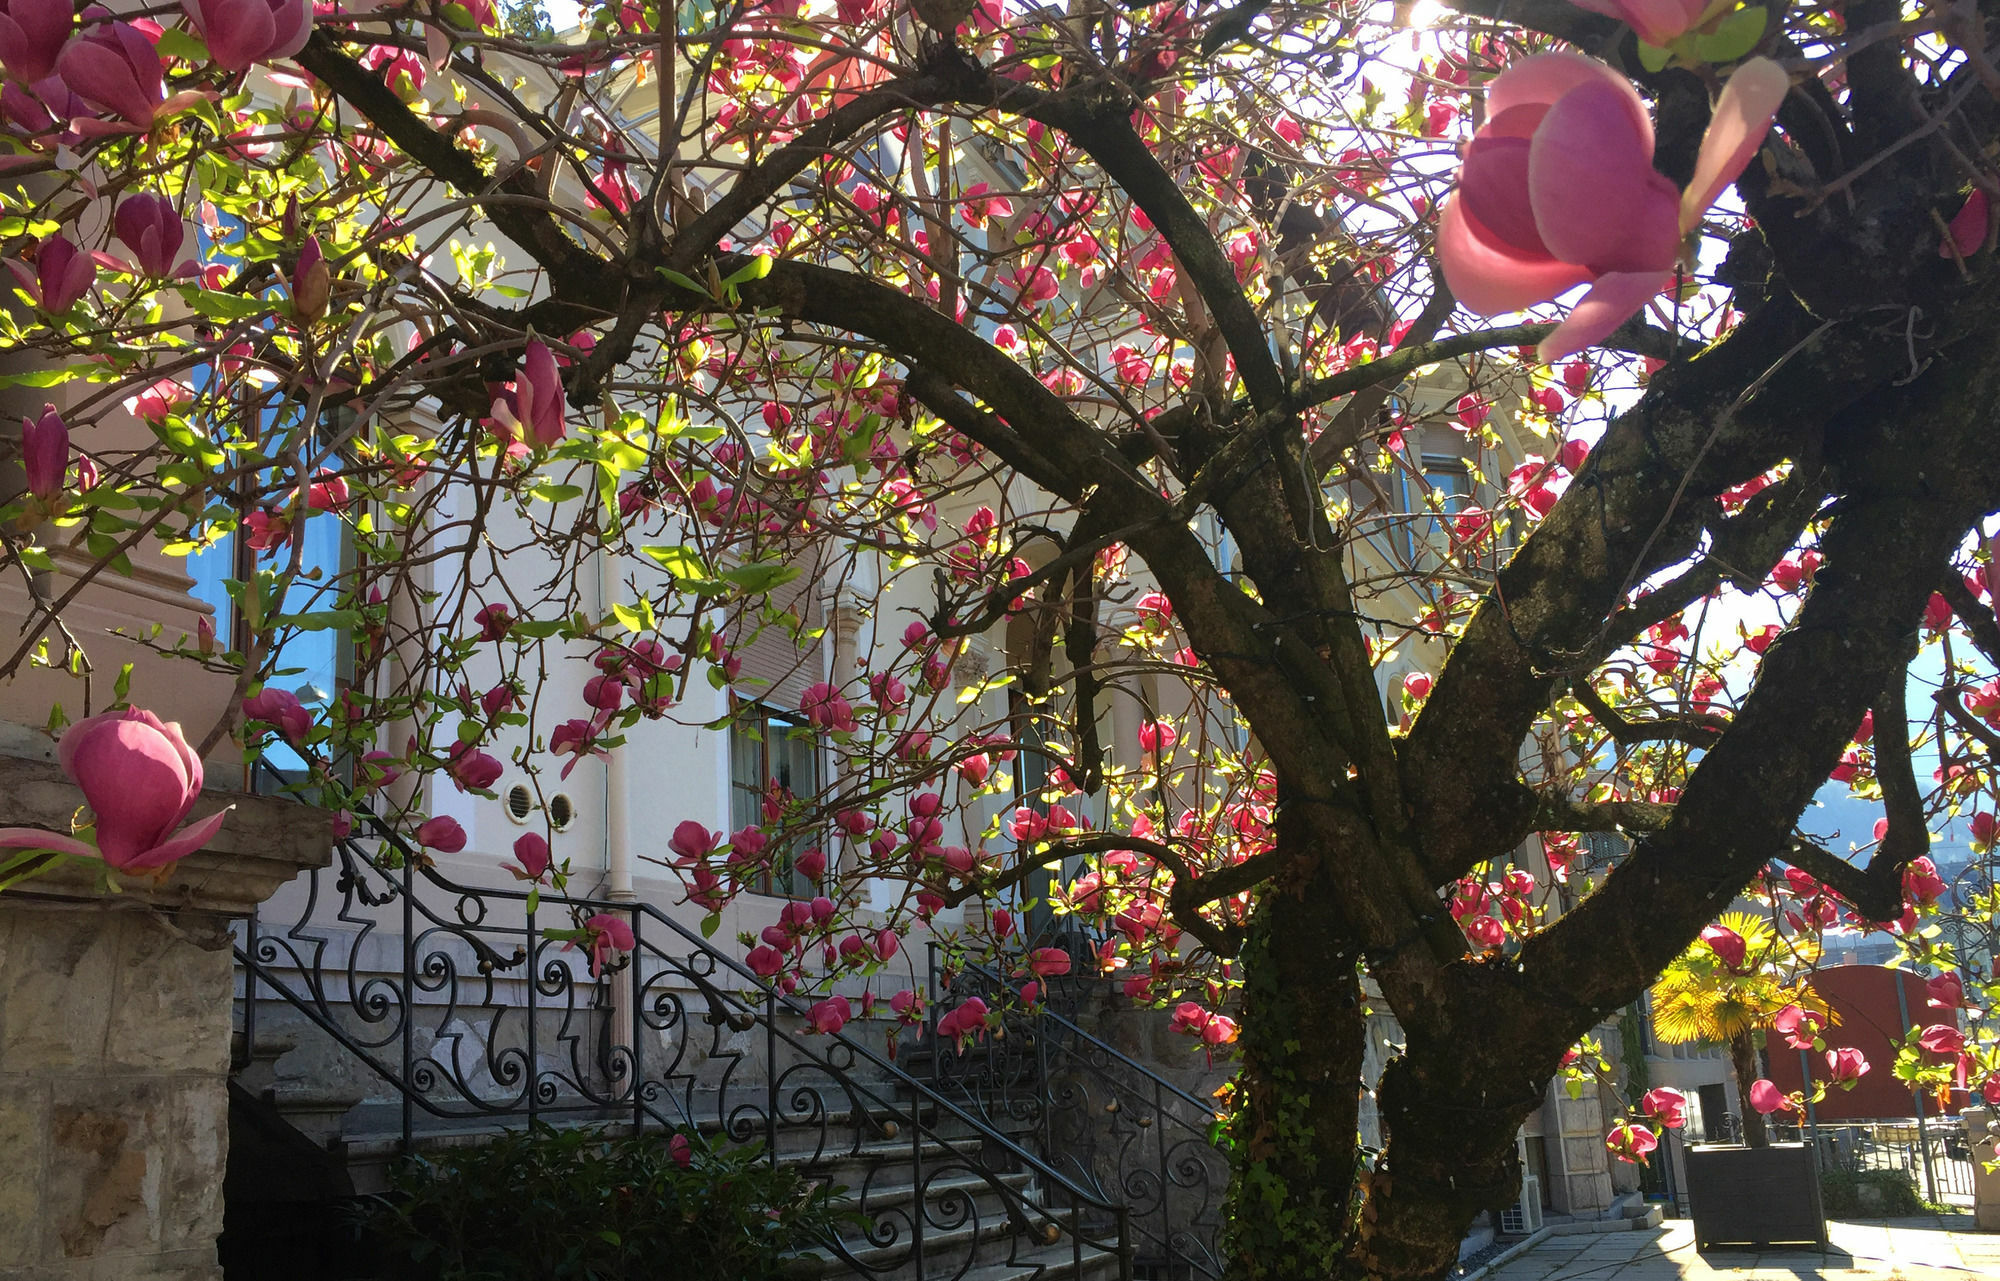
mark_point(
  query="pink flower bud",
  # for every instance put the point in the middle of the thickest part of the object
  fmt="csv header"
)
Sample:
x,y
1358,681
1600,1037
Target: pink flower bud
x,y
114,67
242,32
45,453
140,778
442,834
280,709
151,228
62,273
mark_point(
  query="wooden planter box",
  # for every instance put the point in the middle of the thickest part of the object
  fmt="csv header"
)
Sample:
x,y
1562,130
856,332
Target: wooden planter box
x,y
1755,1196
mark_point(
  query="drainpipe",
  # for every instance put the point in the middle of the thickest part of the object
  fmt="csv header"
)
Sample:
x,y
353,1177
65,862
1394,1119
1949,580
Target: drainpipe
x,y
617,828
617,858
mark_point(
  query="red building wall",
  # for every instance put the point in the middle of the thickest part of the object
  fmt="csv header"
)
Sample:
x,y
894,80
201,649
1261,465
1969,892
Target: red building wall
x,y
1863,998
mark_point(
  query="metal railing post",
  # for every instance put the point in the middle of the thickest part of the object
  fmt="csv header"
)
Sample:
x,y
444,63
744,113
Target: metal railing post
x,y
638,1067
534,1048
409,1030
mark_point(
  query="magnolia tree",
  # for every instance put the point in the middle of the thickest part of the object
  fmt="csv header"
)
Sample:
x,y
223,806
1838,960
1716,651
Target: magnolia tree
x,y
1116,331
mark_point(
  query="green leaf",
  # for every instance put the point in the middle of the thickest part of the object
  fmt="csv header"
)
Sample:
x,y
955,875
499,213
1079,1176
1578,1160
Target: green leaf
x,y
550,493
761,576
175,43
469,731
534,898
217,306
680,561
320,620
37,558
1733,37
684,282
709,924
756,269
40,377
122,687
1652,57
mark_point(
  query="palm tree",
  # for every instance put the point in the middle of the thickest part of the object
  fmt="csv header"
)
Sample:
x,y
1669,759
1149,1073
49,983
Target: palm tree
x,y
1708,997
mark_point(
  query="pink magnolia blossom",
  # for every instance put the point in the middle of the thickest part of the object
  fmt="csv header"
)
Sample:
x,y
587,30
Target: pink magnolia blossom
x,y
1799,1027
242,32
1945,992
531,849
692,842
1047,962
327,492
494,621
534,408
62,273
280,709
1657,22
442,834
1846,1066
1727,944
1558,189
45,453
32,34
140,778
1968,227
150,226
1766,1097
680,1151
1630,1143
811,864
829,1016
965,1023
608,932
764,960
113,67
471,769
1921,883
1941,1038
1666,1105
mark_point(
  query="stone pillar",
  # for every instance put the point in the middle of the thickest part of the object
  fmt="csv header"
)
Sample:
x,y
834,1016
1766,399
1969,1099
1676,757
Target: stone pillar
x,y
1982,1129
114,1040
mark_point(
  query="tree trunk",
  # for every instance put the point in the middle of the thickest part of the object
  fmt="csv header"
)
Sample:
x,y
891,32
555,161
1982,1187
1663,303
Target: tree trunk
x,y
1450,1155
1743,1056
1297,1106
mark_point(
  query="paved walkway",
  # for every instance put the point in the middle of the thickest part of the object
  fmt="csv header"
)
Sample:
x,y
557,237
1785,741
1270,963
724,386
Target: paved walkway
x,y
1931,1248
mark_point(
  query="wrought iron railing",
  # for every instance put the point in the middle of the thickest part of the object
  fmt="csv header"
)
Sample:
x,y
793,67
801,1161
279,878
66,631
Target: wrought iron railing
x,y
1109,1122
456,999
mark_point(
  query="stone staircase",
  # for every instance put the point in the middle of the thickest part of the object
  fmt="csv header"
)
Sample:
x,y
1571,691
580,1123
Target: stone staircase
x,y
903,1159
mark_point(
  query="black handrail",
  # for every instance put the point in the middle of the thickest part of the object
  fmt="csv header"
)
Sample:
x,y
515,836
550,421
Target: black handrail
x,y
665,1086
1114,1123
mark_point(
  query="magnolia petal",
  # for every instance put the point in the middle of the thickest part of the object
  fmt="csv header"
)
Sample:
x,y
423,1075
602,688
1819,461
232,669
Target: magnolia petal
x,y
1545,78
1493,184
1968,231
34,838
1743,115
1487,277
1661,22
1597,198
187,841
1612,299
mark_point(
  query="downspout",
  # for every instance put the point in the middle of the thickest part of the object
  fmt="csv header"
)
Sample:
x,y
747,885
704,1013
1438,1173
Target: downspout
x,y
617,827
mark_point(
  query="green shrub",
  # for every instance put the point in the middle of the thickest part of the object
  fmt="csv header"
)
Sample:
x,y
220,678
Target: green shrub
x,y
1840,1193
556,1205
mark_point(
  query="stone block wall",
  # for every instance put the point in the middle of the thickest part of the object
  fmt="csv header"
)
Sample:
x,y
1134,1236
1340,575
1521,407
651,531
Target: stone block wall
x,y
114,1039
114,1053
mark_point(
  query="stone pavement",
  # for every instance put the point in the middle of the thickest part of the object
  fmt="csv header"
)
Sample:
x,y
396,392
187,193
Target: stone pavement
x,y
1931,1248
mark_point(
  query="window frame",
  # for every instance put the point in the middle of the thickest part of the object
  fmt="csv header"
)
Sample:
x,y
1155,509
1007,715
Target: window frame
x,y
750,796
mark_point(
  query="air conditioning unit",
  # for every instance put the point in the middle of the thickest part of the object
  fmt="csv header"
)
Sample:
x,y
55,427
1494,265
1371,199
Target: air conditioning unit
x,y
1525,1215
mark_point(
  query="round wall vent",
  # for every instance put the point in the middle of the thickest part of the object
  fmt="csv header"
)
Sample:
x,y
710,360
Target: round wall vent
x,y
520,803
560,811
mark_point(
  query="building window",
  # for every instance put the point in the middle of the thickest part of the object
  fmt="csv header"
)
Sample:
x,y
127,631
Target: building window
x,y
771,751
1445,491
